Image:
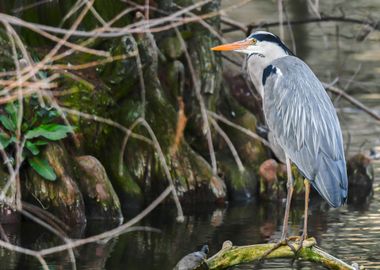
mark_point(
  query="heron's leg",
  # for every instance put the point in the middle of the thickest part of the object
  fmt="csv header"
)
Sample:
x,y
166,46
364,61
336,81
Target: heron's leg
x,y
288,199
284,239
307,193
304,234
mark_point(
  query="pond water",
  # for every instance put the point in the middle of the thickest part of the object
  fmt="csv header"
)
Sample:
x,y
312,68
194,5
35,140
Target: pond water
x,y
351,232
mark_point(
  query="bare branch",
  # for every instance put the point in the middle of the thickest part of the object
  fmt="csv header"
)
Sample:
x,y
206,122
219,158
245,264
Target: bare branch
x,y
198,94
238,127
230,145
352,100
324,18
126,227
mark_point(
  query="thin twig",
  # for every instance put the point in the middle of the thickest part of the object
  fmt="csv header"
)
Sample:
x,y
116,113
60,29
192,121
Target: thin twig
x,y
41,212
143,122
352,100
348,83
32,5
174,20
238,25
248,132
3,234
106,121
25,251
198,94
114,232
54,50
50,228
231,146
324,18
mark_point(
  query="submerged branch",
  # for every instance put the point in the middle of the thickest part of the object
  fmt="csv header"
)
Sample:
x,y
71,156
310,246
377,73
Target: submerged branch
x,y
232,255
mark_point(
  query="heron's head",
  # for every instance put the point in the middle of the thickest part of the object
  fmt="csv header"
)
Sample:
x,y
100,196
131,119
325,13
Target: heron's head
x,y
261,43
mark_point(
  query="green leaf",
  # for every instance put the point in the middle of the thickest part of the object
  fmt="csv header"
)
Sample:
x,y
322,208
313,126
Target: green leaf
x,y
32,148
12,110
52,132
42,167
7,123
5,140
40,142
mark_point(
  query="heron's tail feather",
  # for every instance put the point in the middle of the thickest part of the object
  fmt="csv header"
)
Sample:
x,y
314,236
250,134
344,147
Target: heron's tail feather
x,y
331,181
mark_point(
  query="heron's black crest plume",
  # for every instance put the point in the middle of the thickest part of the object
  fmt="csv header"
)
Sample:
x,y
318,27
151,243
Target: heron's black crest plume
x,y
262,36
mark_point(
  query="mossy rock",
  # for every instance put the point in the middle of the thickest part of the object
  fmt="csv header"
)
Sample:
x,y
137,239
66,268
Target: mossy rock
x,y
99,196
241,185
274,187
194,179
61,197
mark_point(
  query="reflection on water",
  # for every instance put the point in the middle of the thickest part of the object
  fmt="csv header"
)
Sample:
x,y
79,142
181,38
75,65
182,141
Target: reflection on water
x,y
351,233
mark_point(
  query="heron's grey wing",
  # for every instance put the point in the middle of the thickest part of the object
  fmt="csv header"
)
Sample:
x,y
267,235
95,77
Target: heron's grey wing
x,y
276,148
303,120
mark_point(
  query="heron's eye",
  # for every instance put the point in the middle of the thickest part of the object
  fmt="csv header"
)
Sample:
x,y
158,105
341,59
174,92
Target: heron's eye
x,y
253,41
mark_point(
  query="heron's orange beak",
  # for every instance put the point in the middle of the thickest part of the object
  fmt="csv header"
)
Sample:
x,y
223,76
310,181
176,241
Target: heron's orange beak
x,y
233,46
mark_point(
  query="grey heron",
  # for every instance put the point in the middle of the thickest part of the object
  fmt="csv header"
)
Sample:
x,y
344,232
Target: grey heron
x,y
300,116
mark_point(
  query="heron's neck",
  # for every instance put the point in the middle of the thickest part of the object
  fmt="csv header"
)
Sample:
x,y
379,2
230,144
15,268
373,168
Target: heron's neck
x,y
256,63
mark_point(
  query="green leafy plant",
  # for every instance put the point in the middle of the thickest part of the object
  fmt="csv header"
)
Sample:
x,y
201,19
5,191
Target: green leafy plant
x,y
39,126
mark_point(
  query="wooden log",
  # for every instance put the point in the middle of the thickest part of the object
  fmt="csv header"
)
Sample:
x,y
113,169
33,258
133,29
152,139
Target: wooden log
x,y
231,255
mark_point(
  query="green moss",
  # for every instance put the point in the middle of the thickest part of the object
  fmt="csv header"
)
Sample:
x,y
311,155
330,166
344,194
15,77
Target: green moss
x,y
171,47
62,196
230,256
235,179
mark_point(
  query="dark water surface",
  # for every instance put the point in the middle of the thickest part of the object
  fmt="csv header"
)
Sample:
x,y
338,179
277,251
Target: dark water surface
x,y
351,232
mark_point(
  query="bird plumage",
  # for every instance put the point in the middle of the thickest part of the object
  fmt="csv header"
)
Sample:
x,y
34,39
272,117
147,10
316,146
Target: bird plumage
x,y
304,123
299,113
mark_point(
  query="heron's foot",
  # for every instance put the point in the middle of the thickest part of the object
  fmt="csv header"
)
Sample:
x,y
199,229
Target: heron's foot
x,y
300,239
284,241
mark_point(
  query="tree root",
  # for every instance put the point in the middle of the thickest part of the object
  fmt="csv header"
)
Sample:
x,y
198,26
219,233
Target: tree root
x,y
232,255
